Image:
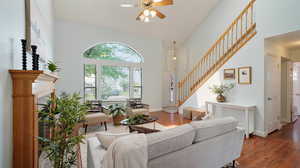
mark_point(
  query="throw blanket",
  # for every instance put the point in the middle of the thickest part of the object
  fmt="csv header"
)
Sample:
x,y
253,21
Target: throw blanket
x,y
127,152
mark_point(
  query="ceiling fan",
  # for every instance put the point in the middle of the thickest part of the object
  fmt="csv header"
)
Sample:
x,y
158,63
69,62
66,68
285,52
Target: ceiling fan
x,y
148,10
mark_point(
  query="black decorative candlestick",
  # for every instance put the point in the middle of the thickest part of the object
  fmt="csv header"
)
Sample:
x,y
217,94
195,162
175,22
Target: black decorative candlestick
x,y
37,62
24,57
34,49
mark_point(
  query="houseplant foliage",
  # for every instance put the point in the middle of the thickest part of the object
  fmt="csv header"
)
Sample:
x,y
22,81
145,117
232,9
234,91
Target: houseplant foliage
x,y
118,113
220,90
61,115
137,119
53,67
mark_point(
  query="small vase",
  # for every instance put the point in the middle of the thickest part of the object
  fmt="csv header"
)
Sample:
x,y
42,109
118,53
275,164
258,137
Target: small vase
x,y
221,98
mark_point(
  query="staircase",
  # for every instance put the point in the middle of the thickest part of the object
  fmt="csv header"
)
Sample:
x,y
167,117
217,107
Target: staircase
x,y
241,30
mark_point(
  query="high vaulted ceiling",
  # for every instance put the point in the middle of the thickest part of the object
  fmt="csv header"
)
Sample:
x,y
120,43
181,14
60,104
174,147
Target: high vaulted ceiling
x,y
182,17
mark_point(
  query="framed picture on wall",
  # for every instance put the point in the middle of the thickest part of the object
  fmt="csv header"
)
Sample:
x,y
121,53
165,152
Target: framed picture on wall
x,y
245,75
229,74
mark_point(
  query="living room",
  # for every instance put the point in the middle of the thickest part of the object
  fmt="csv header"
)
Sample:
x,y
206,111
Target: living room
x,y
174,78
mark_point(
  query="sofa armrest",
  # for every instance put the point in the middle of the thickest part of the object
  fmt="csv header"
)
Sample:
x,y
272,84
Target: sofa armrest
x,y
95,153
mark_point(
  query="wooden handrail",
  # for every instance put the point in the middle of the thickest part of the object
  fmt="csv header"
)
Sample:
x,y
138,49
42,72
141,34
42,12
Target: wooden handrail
x,y
235,36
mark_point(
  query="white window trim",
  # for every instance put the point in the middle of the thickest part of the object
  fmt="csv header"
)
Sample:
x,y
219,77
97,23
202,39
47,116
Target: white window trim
x,y
100,63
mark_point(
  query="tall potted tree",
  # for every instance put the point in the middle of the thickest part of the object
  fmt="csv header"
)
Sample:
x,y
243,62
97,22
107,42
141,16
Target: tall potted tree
x,y
61,115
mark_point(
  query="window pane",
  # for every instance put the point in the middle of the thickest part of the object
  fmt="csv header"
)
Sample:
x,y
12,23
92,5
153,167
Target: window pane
x,y
137,77
114,52
114,83
137,92
90,94
137,83
90,75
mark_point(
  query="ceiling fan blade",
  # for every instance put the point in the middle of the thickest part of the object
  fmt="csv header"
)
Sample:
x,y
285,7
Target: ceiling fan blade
x,y
159,14
163,3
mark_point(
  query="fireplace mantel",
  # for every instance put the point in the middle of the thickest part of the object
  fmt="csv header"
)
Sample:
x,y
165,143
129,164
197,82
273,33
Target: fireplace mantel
x,y
28,86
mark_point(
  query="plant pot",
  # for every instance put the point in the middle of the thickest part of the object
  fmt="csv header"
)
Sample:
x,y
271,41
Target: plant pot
x,y
117,119
221,98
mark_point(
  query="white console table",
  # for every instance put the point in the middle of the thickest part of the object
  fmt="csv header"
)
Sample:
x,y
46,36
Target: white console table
x,y
248,110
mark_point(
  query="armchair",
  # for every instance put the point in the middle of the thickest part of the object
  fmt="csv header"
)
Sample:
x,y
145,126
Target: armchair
x,y
96,115
135,106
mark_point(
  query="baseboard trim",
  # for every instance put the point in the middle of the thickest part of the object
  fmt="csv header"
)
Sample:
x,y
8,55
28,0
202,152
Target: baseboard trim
x,y
260,133
155,110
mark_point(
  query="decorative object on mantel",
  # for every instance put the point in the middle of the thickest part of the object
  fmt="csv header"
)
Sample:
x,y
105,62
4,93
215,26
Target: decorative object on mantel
x,y
35,58
37,64
245,75
62,115
229,74
24,57
53,67
220,90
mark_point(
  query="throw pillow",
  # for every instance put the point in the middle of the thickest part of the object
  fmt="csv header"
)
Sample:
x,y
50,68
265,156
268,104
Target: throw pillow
x,y
106,139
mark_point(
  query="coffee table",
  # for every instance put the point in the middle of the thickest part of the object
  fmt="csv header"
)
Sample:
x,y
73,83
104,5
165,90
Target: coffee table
x,y
137,127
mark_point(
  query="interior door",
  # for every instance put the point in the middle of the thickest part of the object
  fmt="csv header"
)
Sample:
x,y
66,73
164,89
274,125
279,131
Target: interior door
x,y
273,101
296,91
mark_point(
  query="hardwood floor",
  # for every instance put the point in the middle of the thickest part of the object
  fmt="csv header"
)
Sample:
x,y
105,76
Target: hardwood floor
x,y
279,150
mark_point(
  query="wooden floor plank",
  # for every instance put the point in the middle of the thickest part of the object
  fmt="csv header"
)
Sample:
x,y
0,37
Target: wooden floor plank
x,y
281,149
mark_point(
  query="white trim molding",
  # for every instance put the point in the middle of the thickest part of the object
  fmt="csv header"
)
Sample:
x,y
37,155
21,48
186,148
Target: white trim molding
x,y
260,133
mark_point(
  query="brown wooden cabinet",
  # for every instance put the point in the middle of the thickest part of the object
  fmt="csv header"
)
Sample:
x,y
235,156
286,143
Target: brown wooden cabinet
x,y
28,87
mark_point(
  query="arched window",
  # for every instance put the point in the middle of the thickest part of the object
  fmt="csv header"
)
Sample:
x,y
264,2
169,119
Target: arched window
x,y
112,72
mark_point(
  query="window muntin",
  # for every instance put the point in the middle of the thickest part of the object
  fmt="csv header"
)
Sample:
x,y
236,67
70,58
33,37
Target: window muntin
x,y
112,73
113,52
137,83
90,89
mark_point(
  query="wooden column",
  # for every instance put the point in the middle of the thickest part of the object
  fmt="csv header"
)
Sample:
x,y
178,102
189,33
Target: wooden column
x,y
27,87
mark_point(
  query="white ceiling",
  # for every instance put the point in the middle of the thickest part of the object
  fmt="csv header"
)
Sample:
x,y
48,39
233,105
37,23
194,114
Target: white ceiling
x,y
289,40
182,17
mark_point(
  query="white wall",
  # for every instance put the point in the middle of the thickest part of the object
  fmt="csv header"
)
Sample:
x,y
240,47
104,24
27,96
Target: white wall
x,y
72,39
12,29
272,19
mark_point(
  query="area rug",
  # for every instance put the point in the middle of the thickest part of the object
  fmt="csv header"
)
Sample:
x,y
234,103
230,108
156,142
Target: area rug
x,y
93,130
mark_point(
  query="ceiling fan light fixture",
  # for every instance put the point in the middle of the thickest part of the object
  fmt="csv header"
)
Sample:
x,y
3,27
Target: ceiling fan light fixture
x,y
146,12
146,20
153,13
157,0
142,17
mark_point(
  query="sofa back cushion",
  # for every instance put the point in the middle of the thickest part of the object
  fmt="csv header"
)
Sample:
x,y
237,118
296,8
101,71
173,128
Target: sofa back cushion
x,y
207,129
170,140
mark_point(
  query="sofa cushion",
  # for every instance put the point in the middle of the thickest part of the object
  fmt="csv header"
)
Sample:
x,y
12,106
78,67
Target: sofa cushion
x,y
170,140
207,129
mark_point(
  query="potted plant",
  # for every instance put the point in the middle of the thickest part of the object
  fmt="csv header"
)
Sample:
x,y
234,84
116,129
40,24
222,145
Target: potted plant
x,y
53,67
220,90
62,115
137,119
118,113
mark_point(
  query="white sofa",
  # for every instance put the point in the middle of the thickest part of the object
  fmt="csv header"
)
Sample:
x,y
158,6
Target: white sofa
x,y
201,144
